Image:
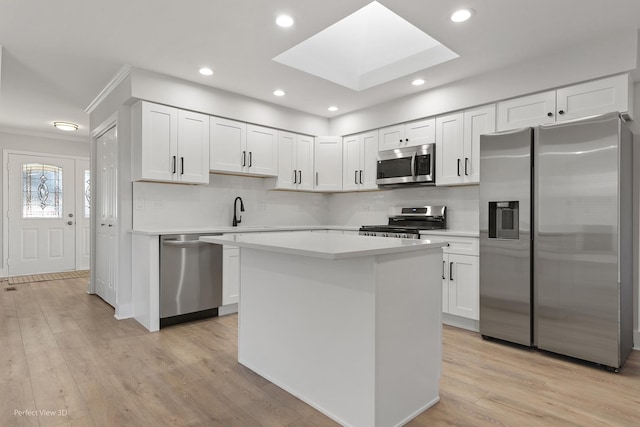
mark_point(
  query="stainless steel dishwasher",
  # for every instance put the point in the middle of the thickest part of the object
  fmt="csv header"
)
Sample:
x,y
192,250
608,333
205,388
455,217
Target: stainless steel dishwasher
x,y
190,278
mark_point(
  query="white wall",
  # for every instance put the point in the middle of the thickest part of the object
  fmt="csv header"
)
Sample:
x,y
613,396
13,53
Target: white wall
x,y
158,205
9,140
167,90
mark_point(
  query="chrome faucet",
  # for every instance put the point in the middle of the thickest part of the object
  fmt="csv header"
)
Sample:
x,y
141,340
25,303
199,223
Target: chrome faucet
x,y
237,219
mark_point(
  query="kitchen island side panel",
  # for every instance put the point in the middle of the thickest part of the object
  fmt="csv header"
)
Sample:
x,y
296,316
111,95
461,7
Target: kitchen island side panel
x,y
307,325
408,335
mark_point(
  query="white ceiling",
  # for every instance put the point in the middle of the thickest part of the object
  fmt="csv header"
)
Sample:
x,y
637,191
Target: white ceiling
x,y
57,57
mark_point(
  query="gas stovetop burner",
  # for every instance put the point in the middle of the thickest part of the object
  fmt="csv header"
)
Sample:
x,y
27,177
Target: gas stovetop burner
x,y
390,231
407,222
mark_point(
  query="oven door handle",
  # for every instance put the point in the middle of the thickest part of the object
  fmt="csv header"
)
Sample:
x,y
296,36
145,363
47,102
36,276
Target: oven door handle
x,y
413,165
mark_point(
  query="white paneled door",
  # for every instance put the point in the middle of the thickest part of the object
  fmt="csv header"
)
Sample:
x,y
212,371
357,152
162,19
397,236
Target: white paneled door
x,y
47,217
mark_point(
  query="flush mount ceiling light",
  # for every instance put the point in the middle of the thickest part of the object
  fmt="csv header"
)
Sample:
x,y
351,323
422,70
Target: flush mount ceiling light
x,y
418,82
462,15
284,21
369,47
333,108
66,126
206,71
278,92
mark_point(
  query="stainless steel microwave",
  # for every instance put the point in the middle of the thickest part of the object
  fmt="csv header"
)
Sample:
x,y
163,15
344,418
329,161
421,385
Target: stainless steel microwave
x,y
410,165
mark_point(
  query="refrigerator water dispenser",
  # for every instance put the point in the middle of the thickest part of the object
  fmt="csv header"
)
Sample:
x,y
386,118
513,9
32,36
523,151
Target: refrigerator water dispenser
x,y
503,220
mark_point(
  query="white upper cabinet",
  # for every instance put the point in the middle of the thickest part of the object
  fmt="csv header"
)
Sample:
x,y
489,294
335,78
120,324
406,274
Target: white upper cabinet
x,y
169,144
359,161
458,144
592,98
295,161
228,140
262,151
532,110
327,160
572,102
240,148
409,134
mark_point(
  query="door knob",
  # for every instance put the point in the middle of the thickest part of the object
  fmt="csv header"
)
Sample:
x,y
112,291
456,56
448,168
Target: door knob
x,y
70,222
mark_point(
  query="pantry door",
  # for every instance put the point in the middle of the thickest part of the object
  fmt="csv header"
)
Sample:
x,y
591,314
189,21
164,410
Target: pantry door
x,y
42,214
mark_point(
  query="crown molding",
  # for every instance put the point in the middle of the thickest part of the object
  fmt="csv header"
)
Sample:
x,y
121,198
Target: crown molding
x,y
47,135
122,73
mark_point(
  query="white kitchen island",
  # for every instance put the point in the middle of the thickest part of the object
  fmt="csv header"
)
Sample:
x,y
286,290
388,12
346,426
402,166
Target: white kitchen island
x,y
349,324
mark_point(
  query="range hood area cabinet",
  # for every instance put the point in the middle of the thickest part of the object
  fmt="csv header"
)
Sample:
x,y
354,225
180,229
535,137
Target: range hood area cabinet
x,y
169,144
568,103
458,144
241,148
410,134
295,161
360,161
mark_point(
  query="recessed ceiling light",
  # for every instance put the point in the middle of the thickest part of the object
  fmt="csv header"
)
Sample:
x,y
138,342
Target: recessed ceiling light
x,y
284,21
418,82
65,126
462,15
278,92
333,108
205,71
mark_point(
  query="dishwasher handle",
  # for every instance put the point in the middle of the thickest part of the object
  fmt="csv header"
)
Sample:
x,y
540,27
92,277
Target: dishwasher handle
x,y
183,243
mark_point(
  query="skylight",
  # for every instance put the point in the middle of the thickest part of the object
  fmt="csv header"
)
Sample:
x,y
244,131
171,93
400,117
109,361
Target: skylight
x,y
369,47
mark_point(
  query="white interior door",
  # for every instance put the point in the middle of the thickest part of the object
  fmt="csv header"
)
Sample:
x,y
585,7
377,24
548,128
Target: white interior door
x,y
41,214
106,212
83,204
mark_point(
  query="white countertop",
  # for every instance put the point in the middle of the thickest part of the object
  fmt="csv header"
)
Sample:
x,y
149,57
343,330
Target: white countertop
x,y
265,228
239,229
321,245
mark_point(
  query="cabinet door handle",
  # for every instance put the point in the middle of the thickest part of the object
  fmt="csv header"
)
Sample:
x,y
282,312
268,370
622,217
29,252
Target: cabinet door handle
x,y
181,165
561,112
355,177
173,164
443,267
451,271
360,176
317,178
250,158
466,165
295,176
244,158
458,167
549,114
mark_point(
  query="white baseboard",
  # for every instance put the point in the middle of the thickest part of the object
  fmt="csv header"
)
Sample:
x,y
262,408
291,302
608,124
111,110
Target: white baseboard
x,y
227,309
460,322
636,340
124,311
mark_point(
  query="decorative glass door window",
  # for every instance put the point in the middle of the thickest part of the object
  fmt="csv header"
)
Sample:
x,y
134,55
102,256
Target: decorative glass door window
x,y
41,191
87,194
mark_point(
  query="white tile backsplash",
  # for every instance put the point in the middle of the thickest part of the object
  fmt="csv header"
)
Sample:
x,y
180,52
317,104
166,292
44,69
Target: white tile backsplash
x,y
158,205
372,207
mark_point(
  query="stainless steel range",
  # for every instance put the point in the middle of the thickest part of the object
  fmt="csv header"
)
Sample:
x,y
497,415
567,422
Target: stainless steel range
x,y
406,223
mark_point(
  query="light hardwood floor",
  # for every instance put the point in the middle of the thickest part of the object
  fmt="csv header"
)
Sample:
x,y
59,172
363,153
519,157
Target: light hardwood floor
x,y
61,349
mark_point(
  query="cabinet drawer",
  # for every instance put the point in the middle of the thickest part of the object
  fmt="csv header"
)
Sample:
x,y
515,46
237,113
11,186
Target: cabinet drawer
x,y
462,246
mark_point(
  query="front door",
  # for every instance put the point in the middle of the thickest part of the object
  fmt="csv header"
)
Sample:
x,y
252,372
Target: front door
x,y
42,214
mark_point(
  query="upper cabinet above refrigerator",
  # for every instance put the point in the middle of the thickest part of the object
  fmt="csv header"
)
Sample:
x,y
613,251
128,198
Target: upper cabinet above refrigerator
x,y
611,94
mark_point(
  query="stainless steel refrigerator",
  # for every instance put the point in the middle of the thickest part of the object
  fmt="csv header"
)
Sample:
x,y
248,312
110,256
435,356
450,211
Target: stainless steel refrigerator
x,y
556,238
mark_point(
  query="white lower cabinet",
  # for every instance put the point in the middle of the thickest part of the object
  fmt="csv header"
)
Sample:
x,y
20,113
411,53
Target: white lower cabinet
x,y
460,278
230,274
460,285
